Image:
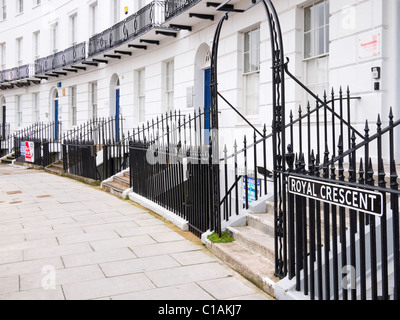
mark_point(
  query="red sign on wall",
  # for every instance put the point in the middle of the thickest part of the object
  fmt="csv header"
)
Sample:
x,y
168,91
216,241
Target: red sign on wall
x,y
29,152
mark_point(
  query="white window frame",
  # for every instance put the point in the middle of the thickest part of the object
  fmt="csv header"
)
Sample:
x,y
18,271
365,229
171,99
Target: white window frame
x,y
93,17
73,106
170,85
19,7
141,94
36,107
36,3
54,37
251,71
115,11
93,92
36,45
18,49
3,10
316,54
73,24
3,52
18,102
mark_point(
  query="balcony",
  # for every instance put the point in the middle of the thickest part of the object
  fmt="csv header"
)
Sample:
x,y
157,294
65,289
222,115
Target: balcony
x,y
59,63
150,17
19,76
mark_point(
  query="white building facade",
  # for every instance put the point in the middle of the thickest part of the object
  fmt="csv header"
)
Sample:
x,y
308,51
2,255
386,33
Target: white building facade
x,y
165,66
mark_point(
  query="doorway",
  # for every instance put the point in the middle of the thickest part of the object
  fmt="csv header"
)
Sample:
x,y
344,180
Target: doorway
x,y
3,116
56,115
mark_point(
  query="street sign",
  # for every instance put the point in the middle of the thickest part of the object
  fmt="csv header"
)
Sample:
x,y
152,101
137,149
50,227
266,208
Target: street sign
x,y
358,199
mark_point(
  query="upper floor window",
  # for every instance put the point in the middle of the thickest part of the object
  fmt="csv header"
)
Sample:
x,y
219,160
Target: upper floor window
x,y
20,6
2,56
36,44
316,46
54,37
37,3
3,10
19,51
115,11
93,11
252,71
74,29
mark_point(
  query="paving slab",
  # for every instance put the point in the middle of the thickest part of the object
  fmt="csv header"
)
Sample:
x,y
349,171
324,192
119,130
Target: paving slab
x,y
63,240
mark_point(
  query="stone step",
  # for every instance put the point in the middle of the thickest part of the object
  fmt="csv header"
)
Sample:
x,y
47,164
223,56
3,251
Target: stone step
x,y
54,169
263,222
123,180
256,268
254,241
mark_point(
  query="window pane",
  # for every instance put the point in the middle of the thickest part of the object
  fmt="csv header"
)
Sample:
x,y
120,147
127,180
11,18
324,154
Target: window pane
x,y
247,62
307,19
327,39
311,76
319,41
247,42
321,70
327,12
308,45
252,93
319,14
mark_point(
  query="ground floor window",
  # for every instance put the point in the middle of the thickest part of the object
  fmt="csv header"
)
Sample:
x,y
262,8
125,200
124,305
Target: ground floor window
x,y
73,107
252,71
19,110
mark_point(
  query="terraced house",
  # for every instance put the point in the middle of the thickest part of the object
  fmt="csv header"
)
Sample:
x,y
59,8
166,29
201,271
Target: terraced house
x,y
219,114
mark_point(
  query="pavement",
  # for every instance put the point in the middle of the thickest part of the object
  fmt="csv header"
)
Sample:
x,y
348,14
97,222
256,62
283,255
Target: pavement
x,y
64,240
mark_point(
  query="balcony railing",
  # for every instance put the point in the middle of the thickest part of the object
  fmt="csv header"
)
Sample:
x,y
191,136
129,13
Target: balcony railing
x,y
135,25
15,74
63,59
174,7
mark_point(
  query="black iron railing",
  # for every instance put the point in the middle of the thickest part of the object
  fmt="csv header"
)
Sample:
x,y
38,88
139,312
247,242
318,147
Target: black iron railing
x,y
98,130
44,132
39,152
79,158
15,74
345,244
175,7
150,16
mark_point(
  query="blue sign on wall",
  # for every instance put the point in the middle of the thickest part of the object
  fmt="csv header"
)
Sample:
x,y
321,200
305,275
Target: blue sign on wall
x,y
251,187
22,148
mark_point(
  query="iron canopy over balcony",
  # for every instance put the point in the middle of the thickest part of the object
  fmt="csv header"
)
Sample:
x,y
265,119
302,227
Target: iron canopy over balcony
x,y
184,14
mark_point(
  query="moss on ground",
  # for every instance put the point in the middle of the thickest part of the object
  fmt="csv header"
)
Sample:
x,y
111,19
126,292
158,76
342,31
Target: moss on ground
x,y
225,238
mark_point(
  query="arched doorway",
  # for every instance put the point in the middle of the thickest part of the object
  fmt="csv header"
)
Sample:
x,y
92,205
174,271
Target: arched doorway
x,y
202,90
115,107
55,112
3,116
